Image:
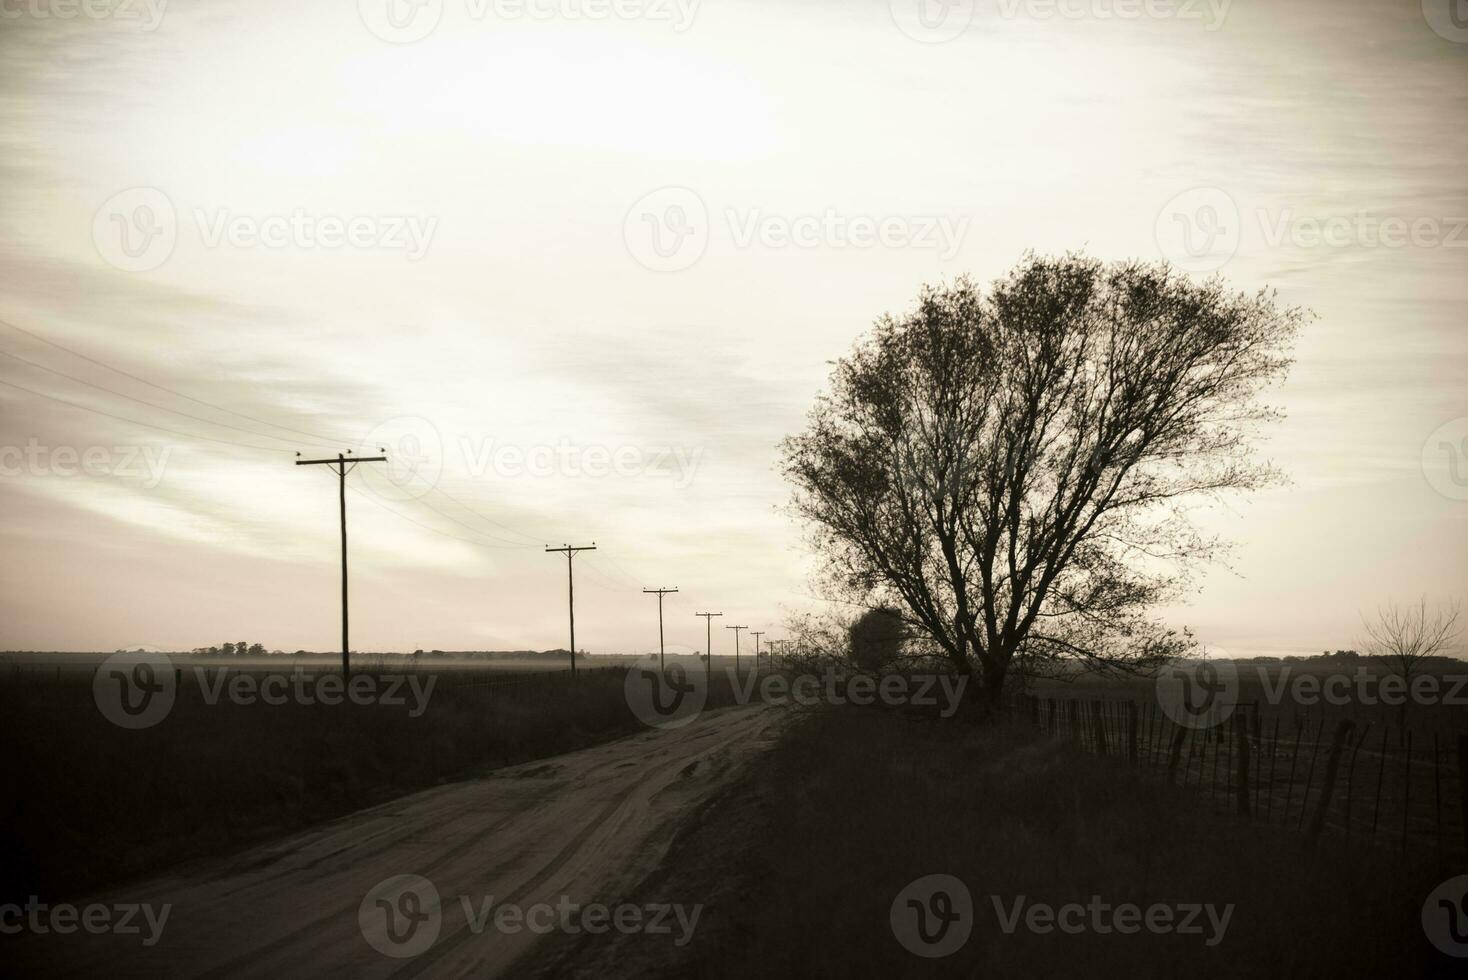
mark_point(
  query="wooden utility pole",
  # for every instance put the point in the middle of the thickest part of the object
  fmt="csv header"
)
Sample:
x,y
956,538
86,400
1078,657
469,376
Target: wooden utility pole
x,y
736,630
660,593
756,648
708,657
570,553
342,465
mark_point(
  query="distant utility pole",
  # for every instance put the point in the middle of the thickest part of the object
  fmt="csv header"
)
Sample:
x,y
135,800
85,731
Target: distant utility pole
x,y
756,648
660,593
571,592
736,630
708,657
343,465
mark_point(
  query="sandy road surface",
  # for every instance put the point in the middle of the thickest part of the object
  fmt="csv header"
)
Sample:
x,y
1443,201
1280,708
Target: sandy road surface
x,y
586,825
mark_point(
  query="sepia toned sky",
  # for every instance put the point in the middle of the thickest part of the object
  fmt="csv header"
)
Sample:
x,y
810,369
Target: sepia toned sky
x,y
580,266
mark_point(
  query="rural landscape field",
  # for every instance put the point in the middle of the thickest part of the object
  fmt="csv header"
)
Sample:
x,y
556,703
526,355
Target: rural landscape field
x,y
685,488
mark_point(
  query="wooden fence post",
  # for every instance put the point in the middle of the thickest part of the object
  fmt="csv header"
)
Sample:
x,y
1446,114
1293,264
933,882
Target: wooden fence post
x,y
1098,723
1332,768
1241,731
1131,731
1182,733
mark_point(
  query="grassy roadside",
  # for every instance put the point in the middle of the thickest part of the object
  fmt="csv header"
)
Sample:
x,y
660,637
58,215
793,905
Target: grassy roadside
x,y
87,805
798,866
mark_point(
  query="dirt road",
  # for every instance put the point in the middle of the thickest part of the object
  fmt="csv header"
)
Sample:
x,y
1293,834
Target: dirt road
x,y
582,827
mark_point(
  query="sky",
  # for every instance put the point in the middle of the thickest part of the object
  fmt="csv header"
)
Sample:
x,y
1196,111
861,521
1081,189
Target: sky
x,y
580,265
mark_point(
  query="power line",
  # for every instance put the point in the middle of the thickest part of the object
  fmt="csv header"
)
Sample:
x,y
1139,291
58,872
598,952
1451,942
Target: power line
x,y
329,440
142,401
146,425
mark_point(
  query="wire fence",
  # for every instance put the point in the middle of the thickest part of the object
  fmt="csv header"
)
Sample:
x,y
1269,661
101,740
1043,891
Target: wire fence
x,y
1374,784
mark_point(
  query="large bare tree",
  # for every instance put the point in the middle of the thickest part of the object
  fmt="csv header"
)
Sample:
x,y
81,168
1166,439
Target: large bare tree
x,y
1015,469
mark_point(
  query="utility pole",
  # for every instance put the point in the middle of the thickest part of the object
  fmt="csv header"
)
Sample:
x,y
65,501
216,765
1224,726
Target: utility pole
x,y
756,648
660,593
736,630
571,592
708,657
342,465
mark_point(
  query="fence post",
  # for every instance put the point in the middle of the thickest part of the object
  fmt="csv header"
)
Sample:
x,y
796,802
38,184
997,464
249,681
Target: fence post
x,y
1098,723
1241,731
1131,731
1332,768
1182,733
